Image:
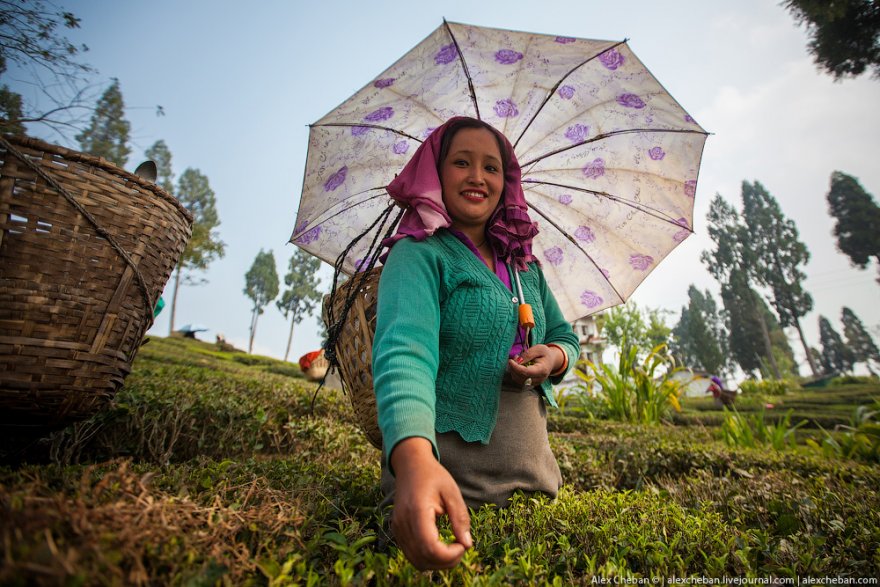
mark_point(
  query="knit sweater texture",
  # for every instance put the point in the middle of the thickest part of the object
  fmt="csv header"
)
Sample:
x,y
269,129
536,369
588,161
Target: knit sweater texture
x,y
444,328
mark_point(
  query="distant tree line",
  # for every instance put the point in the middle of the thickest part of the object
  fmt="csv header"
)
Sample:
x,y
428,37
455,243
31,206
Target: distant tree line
x,y
757,258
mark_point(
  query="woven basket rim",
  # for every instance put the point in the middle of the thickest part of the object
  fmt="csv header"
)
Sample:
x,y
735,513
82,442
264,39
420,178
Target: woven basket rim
x,y
80,157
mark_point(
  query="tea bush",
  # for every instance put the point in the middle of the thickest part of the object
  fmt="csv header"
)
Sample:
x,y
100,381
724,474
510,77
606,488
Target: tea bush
x,y
211,472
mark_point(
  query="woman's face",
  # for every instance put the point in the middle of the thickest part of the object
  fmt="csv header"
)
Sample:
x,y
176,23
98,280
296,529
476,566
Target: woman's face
x,y
472,178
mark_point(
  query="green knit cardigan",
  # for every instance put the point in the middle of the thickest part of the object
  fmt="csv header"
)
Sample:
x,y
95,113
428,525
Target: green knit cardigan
x,y
444,329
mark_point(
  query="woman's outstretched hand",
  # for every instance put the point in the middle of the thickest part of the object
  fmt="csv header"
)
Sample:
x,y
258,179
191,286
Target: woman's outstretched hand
x,y
535,363
424,490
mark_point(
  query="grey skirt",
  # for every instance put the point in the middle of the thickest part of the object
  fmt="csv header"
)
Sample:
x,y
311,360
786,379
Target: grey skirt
x,y
518,456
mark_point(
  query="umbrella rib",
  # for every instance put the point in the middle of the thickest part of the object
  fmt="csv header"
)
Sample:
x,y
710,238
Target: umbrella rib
x,y
659,215
578,246
464,66
610,134
322,219
558,83
363,125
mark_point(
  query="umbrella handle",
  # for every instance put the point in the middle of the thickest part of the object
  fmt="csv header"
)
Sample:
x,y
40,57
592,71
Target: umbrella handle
x,y
526,317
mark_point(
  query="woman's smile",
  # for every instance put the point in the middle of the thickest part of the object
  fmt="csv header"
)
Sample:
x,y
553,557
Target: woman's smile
x,y
472,178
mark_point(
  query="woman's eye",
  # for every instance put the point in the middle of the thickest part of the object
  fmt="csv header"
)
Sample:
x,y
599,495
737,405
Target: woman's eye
x,y
460,162
491,168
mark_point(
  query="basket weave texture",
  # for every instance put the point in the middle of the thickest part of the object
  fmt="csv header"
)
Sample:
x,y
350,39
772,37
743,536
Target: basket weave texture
x,y
354,348
85,251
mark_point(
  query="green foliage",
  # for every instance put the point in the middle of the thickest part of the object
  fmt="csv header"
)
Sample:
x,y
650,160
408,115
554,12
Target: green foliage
x,y
261,286
160,154
639,393
260,490
860,440
195,193
773,240
858,340
855,380
844,34
107,134
10,112
767,386
700,337
857,217
301,295
629,325
753,430
836,356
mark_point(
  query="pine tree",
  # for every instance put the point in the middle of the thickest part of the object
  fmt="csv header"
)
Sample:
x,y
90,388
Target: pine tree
x,y
858,340
844,34
107,133
728,263
773,239
836,356
699,338
301,295
195,193
261,286
161,156
858,219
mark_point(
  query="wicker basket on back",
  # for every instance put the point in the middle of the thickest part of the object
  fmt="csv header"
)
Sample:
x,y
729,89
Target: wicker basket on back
x,y
354,348
85,251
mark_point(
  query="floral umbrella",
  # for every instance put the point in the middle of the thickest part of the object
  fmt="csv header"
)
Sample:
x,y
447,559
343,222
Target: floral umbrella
x,y
609,158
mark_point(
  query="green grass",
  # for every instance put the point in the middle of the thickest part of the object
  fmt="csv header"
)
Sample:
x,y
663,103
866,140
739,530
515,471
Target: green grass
x,y
208,470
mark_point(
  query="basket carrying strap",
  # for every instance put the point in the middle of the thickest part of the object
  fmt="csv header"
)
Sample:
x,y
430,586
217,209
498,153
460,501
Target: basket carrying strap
x,y
98,228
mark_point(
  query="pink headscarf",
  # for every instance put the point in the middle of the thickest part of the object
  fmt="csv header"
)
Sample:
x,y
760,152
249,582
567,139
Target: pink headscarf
x,y
509,230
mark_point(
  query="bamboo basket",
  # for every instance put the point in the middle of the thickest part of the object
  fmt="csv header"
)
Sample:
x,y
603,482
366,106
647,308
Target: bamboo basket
x,y
85,251
354,349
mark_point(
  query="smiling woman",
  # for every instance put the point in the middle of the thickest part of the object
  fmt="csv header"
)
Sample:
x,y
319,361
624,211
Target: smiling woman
x,y
461,389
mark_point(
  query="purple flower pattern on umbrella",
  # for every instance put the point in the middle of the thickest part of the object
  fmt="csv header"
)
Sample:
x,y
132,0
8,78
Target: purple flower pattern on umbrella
x,y
585,233
446,54
427,132
554,255
595,169
641,262
591,299
630,101
359,131
684,232
687,118
566,92
565,40
565,199
606,273
506,108
611,59
301,226
656,153
690,188
359,264
400,147
384,82
508,56
335,180
379,115
310,237
577,133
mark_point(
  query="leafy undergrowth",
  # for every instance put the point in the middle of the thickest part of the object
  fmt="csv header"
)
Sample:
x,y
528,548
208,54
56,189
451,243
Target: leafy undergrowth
x,y
212,471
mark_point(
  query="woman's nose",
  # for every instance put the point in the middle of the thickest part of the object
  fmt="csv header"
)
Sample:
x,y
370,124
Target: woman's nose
x,y
476,176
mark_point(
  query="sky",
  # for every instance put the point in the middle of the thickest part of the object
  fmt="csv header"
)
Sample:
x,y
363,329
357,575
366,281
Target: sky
x,y
239,83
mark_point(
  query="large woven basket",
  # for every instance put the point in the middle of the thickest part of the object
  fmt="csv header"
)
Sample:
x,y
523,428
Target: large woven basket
x,y
85,251
354,348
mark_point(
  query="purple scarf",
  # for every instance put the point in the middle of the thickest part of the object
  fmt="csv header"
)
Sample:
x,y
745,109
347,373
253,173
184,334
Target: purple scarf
x,y
417,188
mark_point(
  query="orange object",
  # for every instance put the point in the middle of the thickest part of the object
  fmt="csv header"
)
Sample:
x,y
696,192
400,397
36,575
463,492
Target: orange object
x,y
306,360
526,318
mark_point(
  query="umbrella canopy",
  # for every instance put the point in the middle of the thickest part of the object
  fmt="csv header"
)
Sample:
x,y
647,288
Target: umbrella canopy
x,y
609,158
